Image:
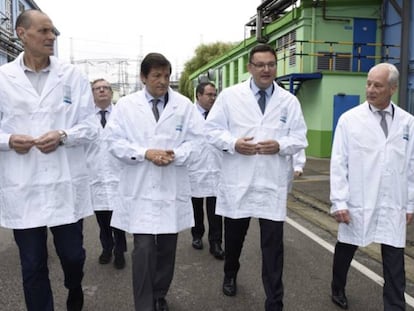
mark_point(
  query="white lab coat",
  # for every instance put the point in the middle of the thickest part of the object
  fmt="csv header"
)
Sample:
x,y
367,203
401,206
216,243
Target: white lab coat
x,y
257,185
155,200
105,170
204,168
373,176
38,189
297,163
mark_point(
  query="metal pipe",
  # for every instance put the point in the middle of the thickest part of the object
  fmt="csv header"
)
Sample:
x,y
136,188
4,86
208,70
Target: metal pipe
x,y
405,39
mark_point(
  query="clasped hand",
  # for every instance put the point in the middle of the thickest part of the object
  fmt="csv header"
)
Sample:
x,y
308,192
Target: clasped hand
x,y
46,143
160,157
246,147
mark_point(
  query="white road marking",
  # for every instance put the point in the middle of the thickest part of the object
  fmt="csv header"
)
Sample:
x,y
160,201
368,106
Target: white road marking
x,y
360,267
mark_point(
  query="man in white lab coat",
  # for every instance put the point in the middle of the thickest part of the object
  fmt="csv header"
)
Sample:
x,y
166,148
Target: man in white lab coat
x,y
258,126
204,176
46,119
152,132
372,184
105,171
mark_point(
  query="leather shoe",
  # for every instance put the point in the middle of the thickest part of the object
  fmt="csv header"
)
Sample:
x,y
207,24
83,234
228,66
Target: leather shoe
x,y
105,257
229,286
216,250
197,243
339,298
160,304
119,261
75,299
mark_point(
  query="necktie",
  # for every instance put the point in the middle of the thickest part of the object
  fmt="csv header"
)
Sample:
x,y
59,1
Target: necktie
x,y
103,119
205,114
262,100
383,122
155,111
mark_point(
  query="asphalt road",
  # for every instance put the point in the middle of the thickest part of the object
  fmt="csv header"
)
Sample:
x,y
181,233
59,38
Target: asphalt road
x,y
198,276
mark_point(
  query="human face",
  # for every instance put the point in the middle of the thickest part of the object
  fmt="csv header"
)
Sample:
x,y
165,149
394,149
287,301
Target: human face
x,y
157,81
39,38
102,94
378,89
262,67
206,100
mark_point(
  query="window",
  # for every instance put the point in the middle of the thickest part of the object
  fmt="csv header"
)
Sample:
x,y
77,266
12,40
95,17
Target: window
x,y
334,61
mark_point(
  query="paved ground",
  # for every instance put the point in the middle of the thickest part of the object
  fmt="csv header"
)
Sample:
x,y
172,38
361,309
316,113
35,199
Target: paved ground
x,y
313,189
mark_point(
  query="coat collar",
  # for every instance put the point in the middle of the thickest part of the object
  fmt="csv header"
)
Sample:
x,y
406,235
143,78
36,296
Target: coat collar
x,y
16,73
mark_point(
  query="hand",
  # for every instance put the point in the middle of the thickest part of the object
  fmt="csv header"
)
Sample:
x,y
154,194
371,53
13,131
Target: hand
x,y
342,216
21,143
160,157
267,147
409,218
48,142
244,146
297,174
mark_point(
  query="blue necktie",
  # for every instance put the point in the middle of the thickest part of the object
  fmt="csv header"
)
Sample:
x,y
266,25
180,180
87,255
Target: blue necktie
x,y
262,100
103,119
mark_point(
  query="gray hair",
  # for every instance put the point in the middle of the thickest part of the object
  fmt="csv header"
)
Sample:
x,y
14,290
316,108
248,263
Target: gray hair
x,y
393,73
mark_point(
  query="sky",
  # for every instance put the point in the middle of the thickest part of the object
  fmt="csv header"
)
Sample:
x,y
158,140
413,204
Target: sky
x,y
129,29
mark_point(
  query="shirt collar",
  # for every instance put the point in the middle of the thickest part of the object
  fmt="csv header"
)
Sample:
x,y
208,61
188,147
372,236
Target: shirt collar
x,y
255,88
109,108
25,68
201,109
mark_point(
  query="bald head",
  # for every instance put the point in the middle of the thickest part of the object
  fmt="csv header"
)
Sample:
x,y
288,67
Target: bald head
x,y
25,18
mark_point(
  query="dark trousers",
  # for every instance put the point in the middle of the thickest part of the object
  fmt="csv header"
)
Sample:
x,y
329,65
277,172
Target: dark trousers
x,y
215,222
153,261
32,244
393,272
111,238
271,244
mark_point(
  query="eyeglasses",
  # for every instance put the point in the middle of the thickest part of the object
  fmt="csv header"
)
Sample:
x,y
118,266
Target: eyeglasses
x,y
210,94
103,87
262,66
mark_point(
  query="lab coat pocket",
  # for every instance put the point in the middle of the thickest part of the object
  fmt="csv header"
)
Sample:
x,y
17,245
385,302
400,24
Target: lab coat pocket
x,y
398,153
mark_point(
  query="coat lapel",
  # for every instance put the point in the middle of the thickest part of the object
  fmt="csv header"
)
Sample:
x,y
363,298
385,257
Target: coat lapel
x,y
53,80
16,74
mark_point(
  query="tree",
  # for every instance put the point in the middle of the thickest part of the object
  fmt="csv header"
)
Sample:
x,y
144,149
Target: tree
x,y
204,53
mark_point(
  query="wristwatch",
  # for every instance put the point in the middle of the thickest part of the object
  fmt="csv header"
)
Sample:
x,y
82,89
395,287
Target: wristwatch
x,y
63,137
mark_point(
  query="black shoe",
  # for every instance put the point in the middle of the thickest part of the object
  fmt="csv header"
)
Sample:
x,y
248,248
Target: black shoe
x,y
197,243
216,250
339,298
160,304
229,286
119,261
105,258
75,299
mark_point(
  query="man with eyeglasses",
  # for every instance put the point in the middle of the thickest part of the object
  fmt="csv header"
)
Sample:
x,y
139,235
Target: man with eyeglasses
x,y
258,126
104,181
204,174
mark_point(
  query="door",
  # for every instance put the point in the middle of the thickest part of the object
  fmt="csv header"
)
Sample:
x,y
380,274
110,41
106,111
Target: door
x,y
342,103
365,31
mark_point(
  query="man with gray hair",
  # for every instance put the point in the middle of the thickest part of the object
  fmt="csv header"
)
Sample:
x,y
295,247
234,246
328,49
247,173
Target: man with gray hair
x,y
372,184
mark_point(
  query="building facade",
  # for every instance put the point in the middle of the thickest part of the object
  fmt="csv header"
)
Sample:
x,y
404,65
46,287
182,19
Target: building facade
x,y
324,49
10,46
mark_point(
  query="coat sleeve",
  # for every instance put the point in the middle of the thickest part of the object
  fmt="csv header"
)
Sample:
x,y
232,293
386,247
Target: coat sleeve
x,y
339,182
86,128
216,129
192,139
115,136
410,173
298,161
296,140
